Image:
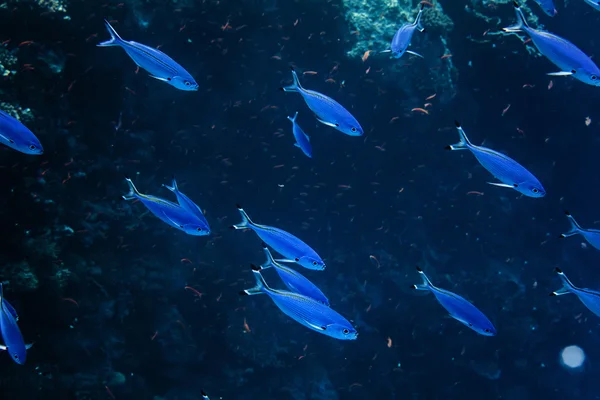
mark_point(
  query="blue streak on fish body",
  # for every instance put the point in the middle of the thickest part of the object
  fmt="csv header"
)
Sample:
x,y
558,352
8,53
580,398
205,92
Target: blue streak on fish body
x,y
286,244
168,212
505,169
458,308
565,55
17,136
305,310
403,37
327,110
589,298
548,7
302,139
595,4
186,203
592,236
293,279
11,335
158,64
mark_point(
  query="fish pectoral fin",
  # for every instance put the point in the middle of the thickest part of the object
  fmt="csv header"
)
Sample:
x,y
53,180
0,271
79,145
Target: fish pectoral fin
x,y
297,145
502,185
414,54
332,124
161,79
562,73
317,327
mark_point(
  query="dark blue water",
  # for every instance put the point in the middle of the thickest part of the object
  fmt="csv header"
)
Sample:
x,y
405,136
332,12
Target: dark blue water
x,y
100,284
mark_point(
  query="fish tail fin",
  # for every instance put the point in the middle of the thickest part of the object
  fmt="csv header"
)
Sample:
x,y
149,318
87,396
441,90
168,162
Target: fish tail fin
x,y
575,228
246,221
426,285
418,19
294,87
115,39
270,260
133,192
521,24
463,143
567,285
293,119
173,188
261,286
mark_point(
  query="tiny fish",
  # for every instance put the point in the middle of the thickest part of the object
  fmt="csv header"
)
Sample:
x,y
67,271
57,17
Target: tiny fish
x,y
458,308
294,280
286,244
17,136
302,139
589,298
327,110
404,35
168,212
505,169
562,53
159,65
11,335
304,310
189,205
591,235
547,6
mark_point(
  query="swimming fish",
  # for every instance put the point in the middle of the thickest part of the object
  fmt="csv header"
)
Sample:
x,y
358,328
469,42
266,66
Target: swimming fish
x,y
17,136
403,37
293,279
286,244
159,65
548,7
11,335
505,169
562,53
327,110
186,203
168,212
304,310
589,298
302,139
595,4
458,308
591,235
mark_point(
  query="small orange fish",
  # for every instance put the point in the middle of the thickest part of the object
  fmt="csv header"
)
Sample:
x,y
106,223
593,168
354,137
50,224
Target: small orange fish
x,y
431,97
366,55
421,110
309,73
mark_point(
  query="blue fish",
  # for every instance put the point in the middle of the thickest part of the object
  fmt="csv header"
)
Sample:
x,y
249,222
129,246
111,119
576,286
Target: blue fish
x,y
589,298
159,65
204,395
286,244
186,203
505,169
168,212
305,310
302,139
591,235
17,136
327,110
11,335
403,37
562,53
458,308
294,280
595,4
548,7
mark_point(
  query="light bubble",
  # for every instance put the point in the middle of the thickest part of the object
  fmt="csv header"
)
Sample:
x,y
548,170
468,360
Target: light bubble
x,y
572,356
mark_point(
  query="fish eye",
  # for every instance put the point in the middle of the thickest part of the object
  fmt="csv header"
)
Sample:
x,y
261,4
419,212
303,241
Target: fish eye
x,y
16,357
345,331
534,190
487,330
187,83
353,129
32,147
593,77
199,229
314,263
